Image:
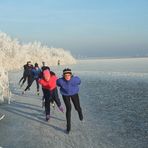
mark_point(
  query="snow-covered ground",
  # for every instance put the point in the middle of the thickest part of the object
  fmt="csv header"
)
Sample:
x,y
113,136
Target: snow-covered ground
x,y
114,100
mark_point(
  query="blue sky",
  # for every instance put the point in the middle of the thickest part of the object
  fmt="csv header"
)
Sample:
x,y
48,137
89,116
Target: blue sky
x,y
84,27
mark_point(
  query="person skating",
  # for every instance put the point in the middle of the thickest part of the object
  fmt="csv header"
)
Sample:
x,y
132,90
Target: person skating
x,y
36,73
25,73
58,62
48,82
30,78
44,67
69,90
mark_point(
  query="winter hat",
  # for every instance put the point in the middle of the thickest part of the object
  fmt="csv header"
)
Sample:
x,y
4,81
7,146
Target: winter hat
x,y
67,71
36,64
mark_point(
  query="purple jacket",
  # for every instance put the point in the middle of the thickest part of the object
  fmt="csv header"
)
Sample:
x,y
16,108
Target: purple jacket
x,y
69,88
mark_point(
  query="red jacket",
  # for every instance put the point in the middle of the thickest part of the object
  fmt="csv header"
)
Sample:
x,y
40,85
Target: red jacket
x,y
51,84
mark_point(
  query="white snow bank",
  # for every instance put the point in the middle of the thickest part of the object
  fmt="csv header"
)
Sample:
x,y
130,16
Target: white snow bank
x,y
4,86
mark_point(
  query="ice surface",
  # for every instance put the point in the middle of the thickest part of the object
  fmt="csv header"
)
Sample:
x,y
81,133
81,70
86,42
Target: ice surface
x,y
114,101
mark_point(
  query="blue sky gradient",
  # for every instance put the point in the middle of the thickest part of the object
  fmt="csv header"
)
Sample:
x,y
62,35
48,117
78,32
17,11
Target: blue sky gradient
x,y
85,27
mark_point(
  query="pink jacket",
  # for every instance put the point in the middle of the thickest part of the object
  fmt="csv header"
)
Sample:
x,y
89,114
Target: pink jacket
x,y
51,84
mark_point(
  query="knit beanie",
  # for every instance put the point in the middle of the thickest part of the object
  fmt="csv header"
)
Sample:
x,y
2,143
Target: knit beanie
x,y
67,71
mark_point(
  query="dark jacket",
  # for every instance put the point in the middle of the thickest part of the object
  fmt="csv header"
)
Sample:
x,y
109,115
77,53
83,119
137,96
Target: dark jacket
x,y
27,70
36,72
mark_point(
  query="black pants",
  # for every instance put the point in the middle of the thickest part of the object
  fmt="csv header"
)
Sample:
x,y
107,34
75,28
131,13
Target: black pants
x,y
49,95
30,81
24,78
76,102
44,91
37,84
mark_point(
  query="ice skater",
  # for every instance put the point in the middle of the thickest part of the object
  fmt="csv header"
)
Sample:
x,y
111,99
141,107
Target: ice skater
x,y
44,67
30,78
48,82
69,90
36,73
25,73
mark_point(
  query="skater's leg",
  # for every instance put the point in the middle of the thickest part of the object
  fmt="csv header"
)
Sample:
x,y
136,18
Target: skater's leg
x,y
25,78
47,108
30,81
76,102
47,103
68,111
21,79
37,84
55,97
43,98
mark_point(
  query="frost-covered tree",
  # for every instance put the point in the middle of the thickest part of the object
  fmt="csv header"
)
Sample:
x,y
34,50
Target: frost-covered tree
x,y
14,54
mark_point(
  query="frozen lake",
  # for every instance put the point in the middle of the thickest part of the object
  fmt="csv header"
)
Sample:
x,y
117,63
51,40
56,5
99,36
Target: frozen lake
x,y
114,100
114,95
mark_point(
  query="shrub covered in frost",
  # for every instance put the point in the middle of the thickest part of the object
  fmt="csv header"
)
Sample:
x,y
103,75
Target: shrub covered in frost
x,y
14,54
